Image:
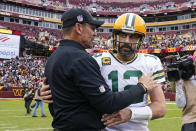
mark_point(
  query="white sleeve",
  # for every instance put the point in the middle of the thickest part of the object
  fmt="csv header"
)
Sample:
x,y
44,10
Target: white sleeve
x,y
180,95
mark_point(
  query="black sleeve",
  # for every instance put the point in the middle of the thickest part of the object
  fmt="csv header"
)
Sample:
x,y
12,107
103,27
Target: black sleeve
x,y
94,88
51,110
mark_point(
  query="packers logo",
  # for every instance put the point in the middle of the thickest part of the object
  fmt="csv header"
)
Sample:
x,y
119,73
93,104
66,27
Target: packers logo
x,y
106,61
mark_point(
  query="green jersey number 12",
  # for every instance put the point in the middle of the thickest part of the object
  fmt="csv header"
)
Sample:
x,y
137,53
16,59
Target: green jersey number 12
x,y
113,75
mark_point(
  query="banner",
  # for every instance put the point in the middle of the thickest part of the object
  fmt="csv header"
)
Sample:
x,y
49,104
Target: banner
x,y
171,49
143,51
157,50
186,48
13,92
9,46
17,92
190,47
6,31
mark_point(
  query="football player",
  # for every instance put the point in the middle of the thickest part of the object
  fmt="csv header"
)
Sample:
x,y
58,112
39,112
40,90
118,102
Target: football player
x,y
122,69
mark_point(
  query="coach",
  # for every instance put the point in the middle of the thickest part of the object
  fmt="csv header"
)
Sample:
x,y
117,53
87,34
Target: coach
x,y
80,94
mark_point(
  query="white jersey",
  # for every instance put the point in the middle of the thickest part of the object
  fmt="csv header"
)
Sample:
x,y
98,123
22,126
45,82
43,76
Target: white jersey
x,y
121,76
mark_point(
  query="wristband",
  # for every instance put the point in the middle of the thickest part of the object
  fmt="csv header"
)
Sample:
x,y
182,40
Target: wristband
x,y
145,89
141,113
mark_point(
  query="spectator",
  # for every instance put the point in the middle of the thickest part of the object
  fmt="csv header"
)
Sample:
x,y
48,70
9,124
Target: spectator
x,y
39,101
28,97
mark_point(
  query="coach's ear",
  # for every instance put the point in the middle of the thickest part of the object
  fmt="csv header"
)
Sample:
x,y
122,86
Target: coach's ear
x,y
78,28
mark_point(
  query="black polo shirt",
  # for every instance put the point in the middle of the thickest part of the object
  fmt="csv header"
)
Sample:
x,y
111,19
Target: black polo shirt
x,y
80,93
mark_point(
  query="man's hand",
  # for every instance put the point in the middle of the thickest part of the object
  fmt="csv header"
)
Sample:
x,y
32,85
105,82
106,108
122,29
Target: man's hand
x,y
148,81
45,93
116,118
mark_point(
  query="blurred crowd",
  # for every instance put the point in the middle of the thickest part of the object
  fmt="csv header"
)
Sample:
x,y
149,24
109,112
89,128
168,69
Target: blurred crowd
x,y
155,41
25,71
44,38
164,41
152,41
52,37
117,6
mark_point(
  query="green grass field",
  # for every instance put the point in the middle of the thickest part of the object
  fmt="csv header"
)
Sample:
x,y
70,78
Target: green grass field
x,y
171,121
12,118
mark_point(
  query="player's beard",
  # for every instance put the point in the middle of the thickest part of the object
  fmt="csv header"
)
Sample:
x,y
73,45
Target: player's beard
x,y
126,50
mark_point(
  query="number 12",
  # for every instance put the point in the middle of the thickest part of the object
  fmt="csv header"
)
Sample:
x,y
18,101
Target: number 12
x,y
113,75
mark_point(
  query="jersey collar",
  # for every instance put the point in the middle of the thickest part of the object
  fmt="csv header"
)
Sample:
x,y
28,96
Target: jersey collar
x,y
122,62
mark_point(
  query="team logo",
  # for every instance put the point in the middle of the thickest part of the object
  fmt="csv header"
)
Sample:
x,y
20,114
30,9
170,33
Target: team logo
x,y
17,92
80,18
102,89
106,61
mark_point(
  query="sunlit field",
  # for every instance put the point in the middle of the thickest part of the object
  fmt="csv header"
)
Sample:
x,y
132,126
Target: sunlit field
x,y
171,121
12,118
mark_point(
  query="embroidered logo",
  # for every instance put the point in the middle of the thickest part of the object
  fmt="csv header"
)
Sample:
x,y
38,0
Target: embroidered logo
x,y
102,89
106,61
80,18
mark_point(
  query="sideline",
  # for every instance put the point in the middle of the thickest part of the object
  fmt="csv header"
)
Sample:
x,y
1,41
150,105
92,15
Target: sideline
x,y
21,99
11,99
8,127
170,102
33,129
168,118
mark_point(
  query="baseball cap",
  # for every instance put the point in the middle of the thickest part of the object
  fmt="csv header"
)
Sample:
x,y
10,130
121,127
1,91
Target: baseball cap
x,y
78,15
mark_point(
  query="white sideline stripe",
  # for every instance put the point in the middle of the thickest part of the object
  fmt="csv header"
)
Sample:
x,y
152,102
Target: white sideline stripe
x,y
11,98
8,127
34,129
3,124
173,109
10,110
14,116
170,103
168,118
37,129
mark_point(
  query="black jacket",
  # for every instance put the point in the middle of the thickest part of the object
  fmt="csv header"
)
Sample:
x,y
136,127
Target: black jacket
x,y
80,93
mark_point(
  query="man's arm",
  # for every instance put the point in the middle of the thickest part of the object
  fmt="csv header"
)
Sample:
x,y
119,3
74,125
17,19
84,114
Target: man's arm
x,y
155,110
45,92
157,105
46,95
180,95
157,97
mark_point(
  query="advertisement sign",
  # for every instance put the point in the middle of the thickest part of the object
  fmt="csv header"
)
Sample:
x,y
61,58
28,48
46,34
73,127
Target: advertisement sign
x,y
14,92
9,46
